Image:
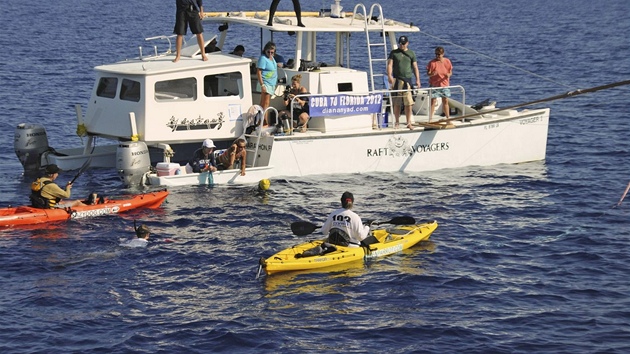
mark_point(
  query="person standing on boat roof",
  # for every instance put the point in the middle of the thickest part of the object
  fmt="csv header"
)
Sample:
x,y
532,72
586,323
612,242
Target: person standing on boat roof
x,y
189,14
402,64
47,194
440,70
345,224
203,159
296,7
267,70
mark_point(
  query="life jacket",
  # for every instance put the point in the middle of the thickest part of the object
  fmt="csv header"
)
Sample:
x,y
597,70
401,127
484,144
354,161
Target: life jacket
x,y
37,201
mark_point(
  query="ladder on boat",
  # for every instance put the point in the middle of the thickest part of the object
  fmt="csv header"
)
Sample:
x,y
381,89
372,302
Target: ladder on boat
x,y
377,63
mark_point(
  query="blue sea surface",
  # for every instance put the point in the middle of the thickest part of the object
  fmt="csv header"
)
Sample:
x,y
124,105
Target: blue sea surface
x,y
528,258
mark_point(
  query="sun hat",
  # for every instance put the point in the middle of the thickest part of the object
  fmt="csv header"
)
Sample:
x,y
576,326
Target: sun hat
x,y
52,168
208,143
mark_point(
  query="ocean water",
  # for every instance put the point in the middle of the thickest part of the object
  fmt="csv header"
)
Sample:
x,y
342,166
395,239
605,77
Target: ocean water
x,y
527,258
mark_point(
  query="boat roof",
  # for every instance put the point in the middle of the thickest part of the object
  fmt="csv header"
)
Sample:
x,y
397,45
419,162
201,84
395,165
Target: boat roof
x,y
285,21
164,64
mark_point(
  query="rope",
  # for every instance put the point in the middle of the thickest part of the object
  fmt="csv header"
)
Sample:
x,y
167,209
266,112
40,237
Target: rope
x,y
496,60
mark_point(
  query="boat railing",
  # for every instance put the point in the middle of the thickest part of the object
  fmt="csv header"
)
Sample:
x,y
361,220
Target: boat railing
x,y
425,95
155,50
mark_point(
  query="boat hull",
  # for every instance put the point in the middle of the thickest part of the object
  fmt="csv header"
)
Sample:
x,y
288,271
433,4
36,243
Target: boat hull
x,y
25,215
391,240
514,138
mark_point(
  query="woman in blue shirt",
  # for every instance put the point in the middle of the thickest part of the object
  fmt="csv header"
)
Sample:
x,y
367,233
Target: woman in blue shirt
x,y
267,75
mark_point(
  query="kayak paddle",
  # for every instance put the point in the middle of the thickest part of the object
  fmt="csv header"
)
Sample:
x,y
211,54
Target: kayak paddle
x,y
85,166
303,228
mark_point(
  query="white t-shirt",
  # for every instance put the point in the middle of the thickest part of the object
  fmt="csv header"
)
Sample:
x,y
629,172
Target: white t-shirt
x,y
348,221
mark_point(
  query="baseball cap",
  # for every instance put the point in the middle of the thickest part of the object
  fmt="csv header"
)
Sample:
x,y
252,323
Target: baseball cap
x,y
208,143
403,40
346,198
52,168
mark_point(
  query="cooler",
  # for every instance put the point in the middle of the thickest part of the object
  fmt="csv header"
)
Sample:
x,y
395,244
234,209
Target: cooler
x,y
167,168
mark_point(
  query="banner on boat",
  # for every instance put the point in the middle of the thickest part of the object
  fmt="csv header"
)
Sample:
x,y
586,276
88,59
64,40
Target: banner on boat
x,y
340,105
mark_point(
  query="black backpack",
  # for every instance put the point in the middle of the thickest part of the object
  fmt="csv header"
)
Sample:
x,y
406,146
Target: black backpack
x,y
37,201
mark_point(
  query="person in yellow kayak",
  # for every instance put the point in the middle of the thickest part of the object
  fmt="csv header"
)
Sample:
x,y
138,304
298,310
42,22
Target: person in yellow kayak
x,y
343,226
46,194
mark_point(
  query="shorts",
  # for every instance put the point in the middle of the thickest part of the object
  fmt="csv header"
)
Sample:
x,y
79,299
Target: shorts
x,y
437,93
404,97
184,19
271,89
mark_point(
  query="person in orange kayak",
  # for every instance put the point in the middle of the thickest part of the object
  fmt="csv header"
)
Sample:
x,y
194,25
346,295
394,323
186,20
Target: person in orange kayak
x,y
46,194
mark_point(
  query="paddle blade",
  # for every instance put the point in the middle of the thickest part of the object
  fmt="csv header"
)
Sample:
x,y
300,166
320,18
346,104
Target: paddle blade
x,y
303,228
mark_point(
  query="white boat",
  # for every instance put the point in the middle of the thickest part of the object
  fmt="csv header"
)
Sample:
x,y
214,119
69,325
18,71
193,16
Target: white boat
x,y
150,104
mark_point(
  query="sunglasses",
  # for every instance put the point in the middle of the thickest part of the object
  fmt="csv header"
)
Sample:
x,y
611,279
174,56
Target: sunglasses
x,y
270,52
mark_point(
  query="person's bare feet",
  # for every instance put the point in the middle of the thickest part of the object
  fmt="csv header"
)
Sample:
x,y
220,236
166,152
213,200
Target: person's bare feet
x,y
176,59
204,57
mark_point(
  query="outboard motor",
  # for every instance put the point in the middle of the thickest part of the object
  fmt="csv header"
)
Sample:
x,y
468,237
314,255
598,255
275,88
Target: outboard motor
x,y
132,162
30,141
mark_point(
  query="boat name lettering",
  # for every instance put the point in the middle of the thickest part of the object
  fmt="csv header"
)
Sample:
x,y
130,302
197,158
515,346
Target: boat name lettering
x,y
264,147
136,153
336,105
407,150
385,251
491,126
530,120
324,259
95,212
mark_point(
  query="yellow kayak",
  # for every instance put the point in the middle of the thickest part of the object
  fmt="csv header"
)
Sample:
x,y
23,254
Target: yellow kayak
x,y
390,240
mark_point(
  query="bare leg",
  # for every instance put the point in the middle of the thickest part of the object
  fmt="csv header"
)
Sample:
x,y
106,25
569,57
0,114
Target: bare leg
x,y
408,115
445,107
178,46
264,103
203,49
396,115
431,109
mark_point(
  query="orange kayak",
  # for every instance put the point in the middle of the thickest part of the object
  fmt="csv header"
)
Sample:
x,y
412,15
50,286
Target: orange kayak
x,y
26,215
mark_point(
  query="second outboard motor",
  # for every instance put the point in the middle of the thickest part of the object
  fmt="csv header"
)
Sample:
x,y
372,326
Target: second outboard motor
x,y
132,162
30,141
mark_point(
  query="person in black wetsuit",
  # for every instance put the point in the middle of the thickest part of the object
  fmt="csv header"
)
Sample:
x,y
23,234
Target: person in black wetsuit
x,y
296,7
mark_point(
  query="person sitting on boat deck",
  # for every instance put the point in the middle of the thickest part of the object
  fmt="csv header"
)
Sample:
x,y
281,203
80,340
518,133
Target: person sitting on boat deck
x,y
440,70
141,239
212,46
402,64
234,153
203,159
239,50
267,72
300,104
296,7
343,226
279,60
189,14
46,194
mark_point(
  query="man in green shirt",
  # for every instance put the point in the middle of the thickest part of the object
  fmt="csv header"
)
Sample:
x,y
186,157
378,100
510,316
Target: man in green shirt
x,y
402,65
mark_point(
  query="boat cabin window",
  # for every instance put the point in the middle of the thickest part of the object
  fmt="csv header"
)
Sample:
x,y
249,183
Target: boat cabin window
x,y
224,84
344,87
107,87
179,89
130,90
